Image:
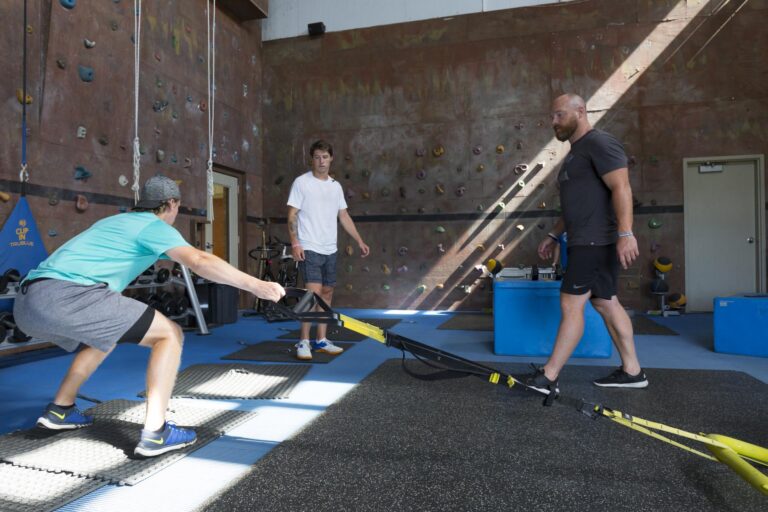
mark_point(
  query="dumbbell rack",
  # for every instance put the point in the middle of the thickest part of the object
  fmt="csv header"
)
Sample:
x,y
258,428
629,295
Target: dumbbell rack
x,y
186,282
7,347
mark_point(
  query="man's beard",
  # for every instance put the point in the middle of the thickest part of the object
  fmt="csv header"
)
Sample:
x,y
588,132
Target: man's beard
x,y
564,132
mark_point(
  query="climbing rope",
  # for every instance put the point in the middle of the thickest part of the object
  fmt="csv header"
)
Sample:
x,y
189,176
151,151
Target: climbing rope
x,y
211,33
24,173
136,62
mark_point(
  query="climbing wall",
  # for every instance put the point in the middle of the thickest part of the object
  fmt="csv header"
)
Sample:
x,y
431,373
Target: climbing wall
x,y
443,141
81,116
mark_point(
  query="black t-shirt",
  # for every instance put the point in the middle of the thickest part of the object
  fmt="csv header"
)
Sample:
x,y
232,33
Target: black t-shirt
x,y
584,197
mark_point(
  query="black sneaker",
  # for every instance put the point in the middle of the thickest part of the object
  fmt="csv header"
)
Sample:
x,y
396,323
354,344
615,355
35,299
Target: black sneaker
x,y
538,381
621,379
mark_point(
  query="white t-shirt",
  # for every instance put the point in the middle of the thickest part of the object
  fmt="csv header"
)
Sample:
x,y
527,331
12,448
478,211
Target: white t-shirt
x,y
318,202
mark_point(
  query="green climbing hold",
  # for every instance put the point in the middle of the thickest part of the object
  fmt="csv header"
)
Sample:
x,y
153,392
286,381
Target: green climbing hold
x,y
654,223
439,229
421,288
385,287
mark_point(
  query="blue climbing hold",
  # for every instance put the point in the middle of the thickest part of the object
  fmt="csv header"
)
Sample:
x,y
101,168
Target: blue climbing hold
x,y
86,73
123,209
52,232
68,4
81,173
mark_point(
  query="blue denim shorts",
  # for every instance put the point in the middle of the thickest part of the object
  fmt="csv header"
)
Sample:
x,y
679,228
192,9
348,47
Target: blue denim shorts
x,y
319,268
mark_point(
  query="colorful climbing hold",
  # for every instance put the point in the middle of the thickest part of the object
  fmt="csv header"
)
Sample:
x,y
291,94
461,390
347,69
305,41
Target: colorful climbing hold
x,y
20,96
81,132
348,268
402,269
480,168
461,190
439,229
349,250
500,206
440,286
500,149
122,180
81,173
61,63
438,151
159,105
81,203
385,287
85,73
52,233
104,140
421,152
88,43
421,175
385,192
348,287
440,189
366,268
159,155
402,250
520,227
421,288
477,150
385,269
53,198
440,248
68,4
654,223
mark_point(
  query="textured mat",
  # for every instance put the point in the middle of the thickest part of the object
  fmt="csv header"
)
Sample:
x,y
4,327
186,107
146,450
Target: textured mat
x,y
104,451
463,444
31,490
644,325
237,381
468,322
281,352
337,333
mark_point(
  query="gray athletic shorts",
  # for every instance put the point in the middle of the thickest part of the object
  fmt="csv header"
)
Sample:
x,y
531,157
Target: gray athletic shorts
x,y
67,314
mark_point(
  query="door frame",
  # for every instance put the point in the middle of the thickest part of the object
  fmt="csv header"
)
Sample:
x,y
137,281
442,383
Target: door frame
x,y
230,179
759,199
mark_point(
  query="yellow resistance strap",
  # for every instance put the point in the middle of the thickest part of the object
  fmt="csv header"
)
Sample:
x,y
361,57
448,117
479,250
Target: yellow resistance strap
x,y
731,452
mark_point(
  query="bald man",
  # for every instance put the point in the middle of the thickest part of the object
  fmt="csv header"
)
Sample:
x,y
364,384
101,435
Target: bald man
x,y
596,201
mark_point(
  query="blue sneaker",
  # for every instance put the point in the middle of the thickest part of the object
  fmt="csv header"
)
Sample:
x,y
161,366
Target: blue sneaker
x,y
61,418
327,346
170,438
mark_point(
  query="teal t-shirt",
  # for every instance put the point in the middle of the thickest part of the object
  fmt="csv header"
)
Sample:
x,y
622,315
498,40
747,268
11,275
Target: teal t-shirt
x,y
114,251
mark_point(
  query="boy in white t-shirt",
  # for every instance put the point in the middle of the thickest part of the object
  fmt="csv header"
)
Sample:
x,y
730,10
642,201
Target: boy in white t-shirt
x,y
315,203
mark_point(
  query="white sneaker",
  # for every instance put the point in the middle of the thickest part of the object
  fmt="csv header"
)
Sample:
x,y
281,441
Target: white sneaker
x,y
327,346
303,351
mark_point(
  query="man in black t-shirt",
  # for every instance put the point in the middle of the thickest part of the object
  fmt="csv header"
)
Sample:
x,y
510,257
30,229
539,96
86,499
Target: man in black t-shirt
x,y
596,201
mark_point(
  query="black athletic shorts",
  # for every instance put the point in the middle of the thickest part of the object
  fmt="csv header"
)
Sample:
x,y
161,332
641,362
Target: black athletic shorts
x,y
592,268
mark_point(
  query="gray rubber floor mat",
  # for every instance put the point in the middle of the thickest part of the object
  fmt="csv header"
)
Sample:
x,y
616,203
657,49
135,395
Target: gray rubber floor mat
x,y
104,450
282,352
336,333
468,322
32,490
238,381
463,444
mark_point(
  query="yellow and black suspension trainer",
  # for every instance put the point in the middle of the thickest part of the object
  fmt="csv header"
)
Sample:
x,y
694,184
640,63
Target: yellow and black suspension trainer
x,y
734,453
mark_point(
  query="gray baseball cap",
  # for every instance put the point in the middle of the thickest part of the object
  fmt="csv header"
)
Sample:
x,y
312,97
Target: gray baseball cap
x,y
156,191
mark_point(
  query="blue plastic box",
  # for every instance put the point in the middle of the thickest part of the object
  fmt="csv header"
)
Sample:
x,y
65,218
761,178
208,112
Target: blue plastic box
x,y
741,325
526,315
